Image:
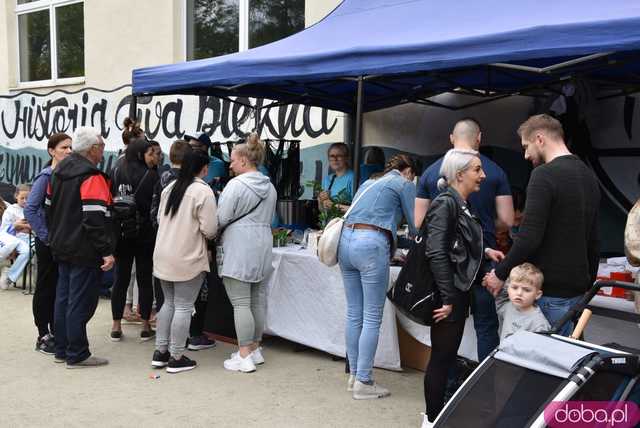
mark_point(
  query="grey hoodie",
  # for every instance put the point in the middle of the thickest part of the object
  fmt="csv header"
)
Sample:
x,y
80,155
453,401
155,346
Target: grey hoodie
x,y
247,243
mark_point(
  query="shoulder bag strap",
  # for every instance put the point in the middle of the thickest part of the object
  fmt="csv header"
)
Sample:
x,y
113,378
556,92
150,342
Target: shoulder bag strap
x,y
221,230
362,194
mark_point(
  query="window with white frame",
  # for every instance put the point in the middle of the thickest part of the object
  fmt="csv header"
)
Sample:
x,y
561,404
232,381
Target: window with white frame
x,y
50,40
219,27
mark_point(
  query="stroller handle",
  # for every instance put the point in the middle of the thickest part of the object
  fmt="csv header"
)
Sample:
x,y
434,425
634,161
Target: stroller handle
x,y
578,307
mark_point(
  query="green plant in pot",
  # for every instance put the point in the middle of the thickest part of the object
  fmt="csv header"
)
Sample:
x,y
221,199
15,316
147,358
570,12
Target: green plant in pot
x,y
280,237
334,211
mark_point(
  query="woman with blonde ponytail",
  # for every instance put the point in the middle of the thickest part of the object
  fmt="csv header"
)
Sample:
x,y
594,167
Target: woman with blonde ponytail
x,y
246,207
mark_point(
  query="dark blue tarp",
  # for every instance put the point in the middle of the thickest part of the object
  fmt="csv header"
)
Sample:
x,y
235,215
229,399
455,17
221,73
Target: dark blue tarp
x,y
424,46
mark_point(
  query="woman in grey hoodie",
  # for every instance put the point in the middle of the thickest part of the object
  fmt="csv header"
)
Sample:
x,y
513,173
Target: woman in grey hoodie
x,y
245,210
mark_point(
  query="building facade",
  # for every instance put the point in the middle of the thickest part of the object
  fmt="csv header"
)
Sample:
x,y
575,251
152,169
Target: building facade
x,y
67,63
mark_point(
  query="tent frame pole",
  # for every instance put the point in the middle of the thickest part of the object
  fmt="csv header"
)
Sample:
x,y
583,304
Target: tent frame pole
x,y
133,107
357,146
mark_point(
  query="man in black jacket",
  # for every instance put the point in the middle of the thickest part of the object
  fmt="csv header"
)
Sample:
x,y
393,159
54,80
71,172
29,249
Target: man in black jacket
x,y
559,232
79,200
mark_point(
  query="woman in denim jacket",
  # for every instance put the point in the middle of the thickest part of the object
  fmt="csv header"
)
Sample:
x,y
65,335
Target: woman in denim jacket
x,y
364,254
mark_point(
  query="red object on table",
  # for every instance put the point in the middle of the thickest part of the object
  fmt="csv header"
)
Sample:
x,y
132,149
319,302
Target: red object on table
x,y
620,276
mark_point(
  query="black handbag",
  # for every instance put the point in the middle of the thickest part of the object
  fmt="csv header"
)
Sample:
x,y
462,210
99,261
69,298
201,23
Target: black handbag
x,y
415,293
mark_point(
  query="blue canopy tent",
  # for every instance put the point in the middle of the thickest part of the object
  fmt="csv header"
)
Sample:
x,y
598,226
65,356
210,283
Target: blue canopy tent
x,y
371,54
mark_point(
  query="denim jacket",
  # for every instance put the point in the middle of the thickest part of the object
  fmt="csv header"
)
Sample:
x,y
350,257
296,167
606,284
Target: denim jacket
x,y
385,206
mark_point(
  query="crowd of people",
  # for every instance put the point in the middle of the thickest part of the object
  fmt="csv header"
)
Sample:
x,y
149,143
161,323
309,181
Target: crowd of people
x,y
180,232
459,200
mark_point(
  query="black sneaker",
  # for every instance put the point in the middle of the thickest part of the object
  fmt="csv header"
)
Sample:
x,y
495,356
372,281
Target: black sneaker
x,y
147,335
116,336
200,342
160,359
181,365
46,345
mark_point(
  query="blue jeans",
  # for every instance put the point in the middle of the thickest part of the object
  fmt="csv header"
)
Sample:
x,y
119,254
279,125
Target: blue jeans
x,y
553,308
21,261
364,261
485,320
76,302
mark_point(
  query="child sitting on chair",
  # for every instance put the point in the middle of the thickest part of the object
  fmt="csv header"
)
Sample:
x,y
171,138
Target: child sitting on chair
x,y
15,213
515,304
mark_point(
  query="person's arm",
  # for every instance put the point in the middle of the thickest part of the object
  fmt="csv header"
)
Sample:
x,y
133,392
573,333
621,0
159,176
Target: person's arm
x,y
504,200
228,204
96,198
34,211
155,204
423,200
8,218
442,230
533,227
420,211
407,200
504,210
207,217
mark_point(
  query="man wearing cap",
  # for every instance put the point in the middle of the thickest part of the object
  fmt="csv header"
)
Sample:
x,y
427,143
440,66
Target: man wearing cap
x,y
217,168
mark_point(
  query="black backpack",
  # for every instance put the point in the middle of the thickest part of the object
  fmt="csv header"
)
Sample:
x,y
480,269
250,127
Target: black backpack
x,y
125,212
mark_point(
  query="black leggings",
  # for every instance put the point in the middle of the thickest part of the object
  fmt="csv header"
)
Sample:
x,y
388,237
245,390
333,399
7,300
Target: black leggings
x,y
128,251
445,341
44,298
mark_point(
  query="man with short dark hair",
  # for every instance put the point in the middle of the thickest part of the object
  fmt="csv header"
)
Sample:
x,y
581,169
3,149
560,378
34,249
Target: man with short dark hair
x,y
81,238
559,231
491,202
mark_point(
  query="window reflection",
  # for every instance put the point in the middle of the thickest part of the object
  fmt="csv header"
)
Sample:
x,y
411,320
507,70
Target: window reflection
x,y
271,20
70,40
35,46
212,28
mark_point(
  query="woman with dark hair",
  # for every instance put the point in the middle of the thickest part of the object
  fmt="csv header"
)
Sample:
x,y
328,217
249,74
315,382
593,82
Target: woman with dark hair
x,y
364,253
186,219
132,178
44,298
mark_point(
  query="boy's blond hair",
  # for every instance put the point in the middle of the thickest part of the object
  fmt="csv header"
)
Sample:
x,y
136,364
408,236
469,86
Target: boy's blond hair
x,y
528,274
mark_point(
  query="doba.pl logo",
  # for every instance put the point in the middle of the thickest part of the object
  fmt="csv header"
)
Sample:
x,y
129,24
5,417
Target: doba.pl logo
x,y
588,414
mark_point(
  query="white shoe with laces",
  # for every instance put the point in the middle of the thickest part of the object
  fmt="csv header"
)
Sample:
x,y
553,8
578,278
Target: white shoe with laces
x,y
256,356
239,364
425,421
364,391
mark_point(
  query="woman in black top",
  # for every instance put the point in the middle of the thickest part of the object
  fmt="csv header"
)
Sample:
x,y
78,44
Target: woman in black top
x,y
133,177
454,253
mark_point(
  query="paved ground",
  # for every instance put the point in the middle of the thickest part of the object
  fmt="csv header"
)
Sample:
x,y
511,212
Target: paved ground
x,y
293,389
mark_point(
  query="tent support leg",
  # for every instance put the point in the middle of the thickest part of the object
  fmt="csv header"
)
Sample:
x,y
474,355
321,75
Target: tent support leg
x,y
357,146
133,107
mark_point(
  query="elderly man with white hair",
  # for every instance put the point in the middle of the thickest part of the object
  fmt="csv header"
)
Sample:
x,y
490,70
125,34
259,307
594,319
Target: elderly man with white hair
x,y
81,238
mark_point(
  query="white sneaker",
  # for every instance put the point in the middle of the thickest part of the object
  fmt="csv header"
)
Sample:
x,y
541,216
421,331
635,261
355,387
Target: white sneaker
x,y
425,422
256,356
350,382
239,364
362,391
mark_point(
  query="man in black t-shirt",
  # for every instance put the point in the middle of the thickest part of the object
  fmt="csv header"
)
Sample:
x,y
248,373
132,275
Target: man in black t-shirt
x,y
559,231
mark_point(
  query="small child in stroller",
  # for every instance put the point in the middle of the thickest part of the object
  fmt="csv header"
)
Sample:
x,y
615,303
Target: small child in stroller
x,y
515,304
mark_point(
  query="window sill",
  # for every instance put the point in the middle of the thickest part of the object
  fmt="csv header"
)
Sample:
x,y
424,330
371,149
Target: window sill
x,y
48,83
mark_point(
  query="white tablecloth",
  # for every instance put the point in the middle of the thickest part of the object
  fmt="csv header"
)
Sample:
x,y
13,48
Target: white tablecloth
x,y
306,304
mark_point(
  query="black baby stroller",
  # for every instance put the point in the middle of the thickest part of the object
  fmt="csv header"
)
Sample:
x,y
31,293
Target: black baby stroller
x,y
514,385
